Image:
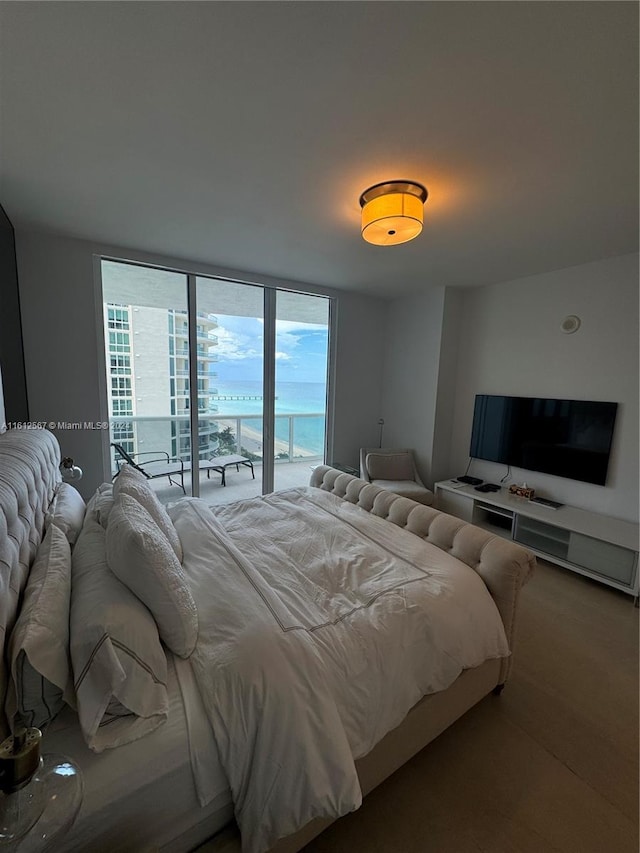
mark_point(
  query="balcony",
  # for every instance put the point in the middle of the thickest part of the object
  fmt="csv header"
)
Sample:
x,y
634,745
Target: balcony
x,y
203,336
201,351
299,445
201,372
240,486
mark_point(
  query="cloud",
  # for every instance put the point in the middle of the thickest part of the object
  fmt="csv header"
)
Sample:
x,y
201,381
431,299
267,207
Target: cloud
x,y
234,346
297,326
301,348
287,341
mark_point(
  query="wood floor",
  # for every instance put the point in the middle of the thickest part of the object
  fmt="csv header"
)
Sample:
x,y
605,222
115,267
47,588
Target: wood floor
x,y
550,766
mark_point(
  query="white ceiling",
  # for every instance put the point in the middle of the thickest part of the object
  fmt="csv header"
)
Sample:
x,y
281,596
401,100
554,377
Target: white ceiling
x,y
242,134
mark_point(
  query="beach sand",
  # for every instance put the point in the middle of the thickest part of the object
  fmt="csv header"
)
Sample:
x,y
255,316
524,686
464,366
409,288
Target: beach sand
x,y
251,439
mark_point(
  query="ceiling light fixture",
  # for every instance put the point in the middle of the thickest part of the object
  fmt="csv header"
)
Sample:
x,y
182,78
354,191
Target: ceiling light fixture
x,y
392,212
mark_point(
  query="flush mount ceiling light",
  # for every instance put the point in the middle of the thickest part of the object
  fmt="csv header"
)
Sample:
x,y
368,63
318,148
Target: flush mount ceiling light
x,y
392,212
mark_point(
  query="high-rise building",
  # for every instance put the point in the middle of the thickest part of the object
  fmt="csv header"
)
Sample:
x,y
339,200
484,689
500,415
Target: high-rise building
x,y
147,352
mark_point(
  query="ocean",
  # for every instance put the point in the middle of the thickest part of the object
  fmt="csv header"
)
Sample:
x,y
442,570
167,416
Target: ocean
x,y
302,398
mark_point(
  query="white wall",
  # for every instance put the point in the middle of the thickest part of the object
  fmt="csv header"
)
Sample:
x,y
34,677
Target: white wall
x,y
359,365
61,316
411,369
447,377
442,348
510,342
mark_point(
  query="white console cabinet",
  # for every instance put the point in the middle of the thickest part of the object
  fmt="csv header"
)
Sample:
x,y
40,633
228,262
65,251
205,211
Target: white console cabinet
x,y
595,545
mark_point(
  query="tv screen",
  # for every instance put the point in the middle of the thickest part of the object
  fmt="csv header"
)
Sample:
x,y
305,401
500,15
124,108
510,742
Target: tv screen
x,y
567,438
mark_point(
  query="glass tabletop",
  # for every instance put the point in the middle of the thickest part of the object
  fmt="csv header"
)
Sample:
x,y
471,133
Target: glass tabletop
x,y
63,793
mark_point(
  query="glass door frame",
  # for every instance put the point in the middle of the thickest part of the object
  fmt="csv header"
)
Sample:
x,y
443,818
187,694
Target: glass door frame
x,y
269,362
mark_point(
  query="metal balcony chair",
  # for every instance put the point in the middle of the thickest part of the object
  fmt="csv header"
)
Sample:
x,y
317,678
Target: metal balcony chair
x,y
394,470
160,466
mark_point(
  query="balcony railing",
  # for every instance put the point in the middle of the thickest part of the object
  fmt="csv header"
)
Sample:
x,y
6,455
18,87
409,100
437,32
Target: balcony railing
x,y
298,436
202,335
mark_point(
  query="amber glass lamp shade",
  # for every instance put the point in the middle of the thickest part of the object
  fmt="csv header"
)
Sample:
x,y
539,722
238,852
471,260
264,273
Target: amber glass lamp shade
x,y
392,212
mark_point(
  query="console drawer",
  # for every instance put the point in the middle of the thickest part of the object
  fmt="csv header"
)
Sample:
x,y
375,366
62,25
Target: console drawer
x,y
610,561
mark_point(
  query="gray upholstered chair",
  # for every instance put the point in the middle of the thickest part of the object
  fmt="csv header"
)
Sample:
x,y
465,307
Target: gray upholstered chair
x,y
394,470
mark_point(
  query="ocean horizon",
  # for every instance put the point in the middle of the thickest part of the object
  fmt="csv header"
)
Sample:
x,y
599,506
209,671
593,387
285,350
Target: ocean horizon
x,y
304,398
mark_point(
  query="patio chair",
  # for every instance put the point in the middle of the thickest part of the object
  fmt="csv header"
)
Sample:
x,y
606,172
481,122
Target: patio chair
x,y
160,466
394,470
221,463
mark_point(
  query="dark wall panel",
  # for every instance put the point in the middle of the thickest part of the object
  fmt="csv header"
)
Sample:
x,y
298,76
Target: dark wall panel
x,y
11,353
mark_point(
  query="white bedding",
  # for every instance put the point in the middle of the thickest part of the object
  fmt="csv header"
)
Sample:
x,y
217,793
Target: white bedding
x,y
141,796
315,643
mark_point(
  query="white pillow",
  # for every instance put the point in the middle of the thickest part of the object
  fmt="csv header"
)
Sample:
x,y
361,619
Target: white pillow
x,y
139,554
132,482
39,642
100,504
67,511
119,665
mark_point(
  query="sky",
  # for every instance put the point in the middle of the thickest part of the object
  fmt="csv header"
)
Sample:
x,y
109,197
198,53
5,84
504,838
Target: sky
x,y
301,350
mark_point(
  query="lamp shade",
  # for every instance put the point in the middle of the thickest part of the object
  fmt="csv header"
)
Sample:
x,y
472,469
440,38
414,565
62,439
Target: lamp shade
x,y
70,471
392,212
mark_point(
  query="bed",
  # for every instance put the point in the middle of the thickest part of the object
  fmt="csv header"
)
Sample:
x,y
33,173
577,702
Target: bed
x,y
266,664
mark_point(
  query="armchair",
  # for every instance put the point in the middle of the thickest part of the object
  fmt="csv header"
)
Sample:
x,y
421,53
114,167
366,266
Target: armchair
x,y
394,470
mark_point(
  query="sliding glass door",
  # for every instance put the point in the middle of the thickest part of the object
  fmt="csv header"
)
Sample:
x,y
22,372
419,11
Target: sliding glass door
x,y
229,379
234,407
301,371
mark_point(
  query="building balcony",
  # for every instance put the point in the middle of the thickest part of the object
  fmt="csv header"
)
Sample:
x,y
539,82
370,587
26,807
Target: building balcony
x,y
299,445
203,336
201,316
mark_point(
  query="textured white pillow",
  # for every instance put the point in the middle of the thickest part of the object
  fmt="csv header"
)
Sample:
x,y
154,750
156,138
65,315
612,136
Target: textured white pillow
x,y
39,642
67,511
387,466
119,665
132,482
100,504
139,554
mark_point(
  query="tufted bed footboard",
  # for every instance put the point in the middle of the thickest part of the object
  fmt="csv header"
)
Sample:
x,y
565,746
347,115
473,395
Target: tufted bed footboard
x,y
503,566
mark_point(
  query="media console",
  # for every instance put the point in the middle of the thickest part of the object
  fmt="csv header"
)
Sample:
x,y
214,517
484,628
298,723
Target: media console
x,y
598,546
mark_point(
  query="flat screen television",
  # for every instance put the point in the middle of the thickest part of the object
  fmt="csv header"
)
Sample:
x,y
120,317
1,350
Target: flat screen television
x,y
567,438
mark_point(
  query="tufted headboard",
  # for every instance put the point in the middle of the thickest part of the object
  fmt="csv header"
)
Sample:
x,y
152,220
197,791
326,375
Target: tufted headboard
x,y
503,566
29,474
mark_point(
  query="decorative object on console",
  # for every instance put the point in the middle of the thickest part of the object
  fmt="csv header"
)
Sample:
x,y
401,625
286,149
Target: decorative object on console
x,y
392,212
381,425
69,470
522,491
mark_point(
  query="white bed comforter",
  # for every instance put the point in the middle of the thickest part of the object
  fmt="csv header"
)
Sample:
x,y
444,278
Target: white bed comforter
x,y
320,627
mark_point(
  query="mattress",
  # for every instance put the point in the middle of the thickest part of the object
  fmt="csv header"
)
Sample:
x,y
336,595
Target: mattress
x,y
147,795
